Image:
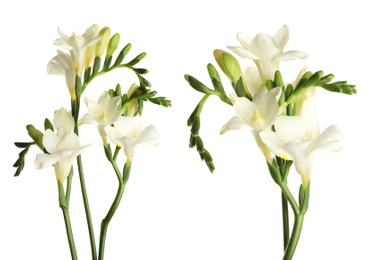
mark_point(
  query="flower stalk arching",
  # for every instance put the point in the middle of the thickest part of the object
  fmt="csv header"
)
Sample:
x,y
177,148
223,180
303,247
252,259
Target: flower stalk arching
x,y
122,182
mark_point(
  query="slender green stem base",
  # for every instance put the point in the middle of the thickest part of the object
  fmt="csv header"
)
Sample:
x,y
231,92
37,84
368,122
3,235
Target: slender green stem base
x,y
285,219
296,231
64,208
87,209
107,219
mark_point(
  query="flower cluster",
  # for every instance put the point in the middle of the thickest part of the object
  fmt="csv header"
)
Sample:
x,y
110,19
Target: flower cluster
x,y
294,137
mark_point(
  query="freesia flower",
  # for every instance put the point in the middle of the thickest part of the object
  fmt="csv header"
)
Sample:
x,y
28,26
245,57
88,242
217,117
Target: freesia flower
x,y
297,138
62,147
266,51
308,92
127,133
90,50
256,115
102,113
77,44
62,64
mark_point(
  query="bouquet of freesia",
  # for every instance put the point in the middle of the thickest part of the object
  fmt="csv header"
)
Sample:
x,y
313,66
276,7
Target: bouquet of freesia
x,y
281,116
117,116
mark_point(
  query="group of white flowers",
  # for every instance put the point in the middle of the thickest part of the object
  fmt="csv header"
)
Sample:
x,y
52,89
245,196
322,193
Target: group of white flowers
x,y
124,130
295,137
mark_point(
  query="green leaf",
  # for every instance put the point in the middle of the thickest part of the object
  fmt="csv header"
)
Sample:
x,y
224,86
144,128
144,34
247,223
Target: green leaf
x,y
36,135
23,144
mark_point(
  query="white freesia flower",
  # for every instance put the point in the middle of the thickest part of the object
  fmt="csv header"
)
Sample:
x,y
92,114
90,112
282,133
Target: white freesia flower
x,y
297,138
127,132
266,51
103,113
77,44
256,115
253,81
62,147
62,65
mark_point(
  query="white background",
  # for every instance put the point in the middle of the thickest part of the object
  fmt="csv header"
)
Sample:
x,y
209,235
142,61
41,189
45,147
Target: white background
x,y
173,208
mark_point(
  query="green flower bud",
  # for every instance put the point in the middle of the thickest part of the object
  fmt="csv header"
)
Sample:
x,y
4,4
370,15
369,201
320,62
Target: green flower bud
x,y
103,43
112,45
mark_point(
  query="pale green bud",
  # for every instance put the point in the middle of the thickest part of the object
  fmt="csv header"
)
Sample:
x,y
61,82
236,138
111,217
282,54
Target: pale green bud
x,y
103,43
112,45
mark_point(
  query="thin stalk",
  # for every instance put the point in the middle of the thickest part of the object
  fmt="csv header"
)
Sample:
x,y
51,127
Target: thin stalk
x,y
75,112
296,231
68,227
285,209
285,219
107,219
69,186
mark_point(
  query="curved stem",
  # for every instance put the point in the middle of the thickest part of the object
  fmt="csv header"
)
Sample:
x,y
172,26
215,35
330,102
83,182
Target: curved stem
x,y
297,229
107,219
68,227
286,191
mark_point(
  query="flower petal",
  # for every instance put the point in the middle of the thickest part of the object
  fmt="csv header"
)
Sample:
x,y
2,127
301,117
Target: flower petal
x,y
235,123
291,55
274,144
328,141
244,40
244,53
128,126
88,120
253,80
50,141
282,36
291,128
43,160
149,136
244,108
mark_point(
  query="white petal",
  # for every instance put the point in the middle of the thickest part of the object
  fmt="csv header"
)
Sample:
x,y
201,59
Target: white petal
x,y
328,141
87,119
43,160
253,80
244,53
63,119
291,55
235,123
292,128
244,40
308,112
113,135
128,126
282,36
149,136
303,160
50,141
93,109
244,108
275,145
265,48
267,105
69,142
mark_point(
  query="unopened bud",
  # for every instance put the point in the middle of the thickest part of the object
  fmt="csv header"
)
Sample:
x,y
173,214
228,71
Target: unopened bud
x,y
103,43
112,45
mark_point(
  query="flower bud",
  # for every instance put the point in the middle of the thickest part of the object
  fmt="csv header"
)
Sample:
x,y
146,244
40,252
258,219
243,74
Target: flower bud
x,y
103,43
112,45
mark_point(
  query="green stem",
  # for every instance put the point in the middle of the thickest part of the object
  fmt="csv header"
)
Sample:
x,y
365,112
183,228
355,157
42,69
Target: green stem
x,y
69,186
107,219
285,219
285,209
296,231
68,227
87,208
75,112
286,191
